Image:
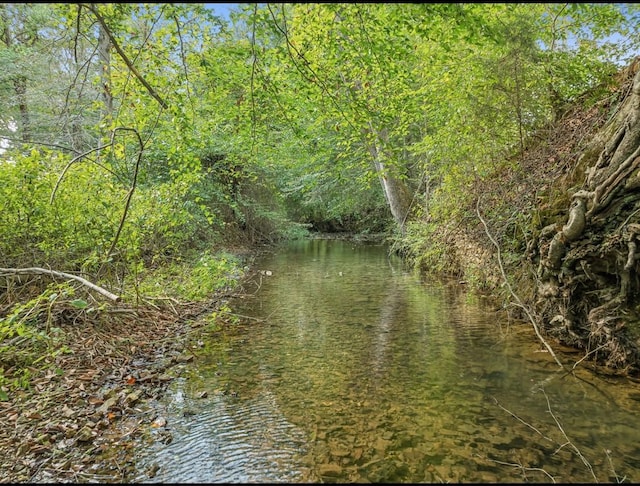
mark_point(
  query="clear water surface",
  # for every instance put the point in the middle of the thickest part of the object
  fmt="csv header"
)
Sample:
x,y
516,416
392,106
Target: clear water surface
x,y
346,367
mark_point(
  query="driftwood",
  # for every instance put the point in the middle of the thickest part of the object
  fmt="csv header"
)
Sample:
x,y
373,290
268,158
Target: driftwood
x,y
54,273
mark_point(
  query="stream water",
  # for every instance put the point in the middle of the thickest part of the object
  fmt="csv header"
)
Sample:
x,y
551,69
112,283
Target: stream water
x,y
345,367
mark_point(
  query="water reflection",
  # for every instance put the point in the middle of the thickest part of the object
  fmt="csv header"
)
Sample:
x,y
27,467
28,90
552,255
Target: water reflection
x,y
362,372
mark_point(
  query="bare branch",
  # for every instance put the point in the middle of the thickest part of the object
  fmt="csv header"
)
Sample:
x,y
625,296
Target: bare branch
x,y
587,355
618,480
71,162
93,8
524,468
131,190
54,273
522,421
184,58
513,294
64,148
75,37
584,460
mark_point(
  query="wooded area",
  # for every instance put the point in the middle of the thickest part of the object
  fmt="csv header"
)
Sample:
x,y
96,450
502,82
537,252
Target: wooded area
x,y
146,145
147,149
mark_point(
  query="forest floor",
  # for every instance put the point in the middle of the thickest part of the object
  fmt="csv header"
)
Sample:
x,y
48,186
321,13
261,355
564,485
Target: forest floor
x,y
82,416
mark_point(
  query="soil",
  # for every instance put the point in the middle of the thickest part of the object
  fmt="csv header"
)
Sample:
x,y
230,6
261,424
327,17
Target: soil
x,y
528,206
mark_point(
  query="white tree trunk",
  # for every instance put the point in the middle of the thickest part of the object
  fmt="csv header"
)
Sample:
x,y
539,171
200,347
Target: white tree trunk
x,y
395,190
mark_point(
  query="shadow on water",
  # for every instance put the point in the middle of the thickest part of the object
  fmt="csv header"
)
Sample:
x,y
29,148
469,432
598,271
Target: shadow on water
x,y
359,371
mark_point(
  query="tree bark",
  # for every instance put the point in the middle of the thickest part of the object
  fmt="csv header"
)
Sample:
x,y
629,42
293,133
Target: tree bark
x,y
104,52
395,190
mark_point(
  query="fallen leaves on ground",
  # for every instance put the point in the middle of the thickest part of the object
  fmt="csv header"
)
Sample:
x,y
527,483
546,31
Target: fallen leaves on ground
x,y
81,423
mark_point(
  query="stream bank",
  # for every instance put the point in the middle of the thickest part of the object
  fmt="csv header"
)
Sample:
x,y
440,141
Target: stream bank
x,y
561,223
81,417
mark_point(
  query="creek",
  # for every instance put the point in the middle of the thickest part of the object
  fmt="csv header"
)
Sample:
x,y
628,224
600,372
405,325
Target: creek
x,y
344,366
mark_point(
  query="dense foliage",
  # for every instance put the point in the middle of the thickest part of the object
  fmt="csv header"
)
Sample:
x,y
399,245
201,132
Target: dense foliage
x,y
145,149
139,135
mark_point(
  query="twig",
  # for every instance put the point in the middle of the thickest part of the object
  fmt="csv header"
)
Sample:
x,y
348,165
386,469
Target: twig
x,y
561,446
513,294
524,468
518,418
40,466
584,460
587,355
131,190
618,480
137,426
71,162
94,9
168,299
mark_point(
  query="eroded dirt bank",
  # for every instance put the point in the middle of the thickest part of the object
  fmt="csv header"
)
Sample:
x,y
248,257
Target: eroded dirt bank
x,y
566,215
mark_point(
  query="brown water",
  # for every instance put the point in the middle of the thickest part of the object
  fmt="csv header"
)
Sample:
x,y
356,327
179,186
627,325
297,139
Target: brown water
x,y
349,368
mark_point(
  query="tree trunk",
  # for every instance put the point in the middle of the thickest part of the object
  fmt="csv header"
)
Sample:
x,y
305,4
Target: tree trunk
x,y
395,190
104,53
19,81
20,86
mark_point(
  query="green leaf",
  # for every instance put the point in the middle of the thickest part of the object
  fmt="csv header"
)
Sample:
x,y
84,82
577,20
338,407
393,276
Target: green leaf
x,y
79,304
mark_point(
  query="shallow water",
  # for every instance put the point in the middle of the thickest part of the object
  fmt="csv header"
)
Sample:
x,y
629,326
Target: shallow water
x,y
346,367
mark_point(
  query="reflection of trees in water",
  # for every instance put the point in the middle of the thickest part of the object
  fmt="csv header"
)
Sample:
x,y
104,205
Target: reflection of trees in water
x,y
412,347
352,324
391,309
383,368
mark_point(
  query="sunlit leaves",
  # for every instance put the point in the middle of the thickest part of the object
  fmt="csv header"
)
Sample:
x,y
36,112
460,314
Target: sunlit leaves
x,y
296,103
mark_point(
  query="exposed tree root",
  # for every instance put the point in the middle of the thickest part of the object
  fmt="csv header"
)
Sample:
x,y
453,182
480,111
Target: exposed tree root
x,y
588,268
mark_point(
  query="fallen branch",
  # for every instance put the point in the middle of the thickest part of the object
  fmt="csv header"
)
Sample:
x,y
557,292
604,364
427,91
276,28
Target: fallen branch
x,y
618,480
586,356
522,421
523,468
54,273
584,460
513,294
561,446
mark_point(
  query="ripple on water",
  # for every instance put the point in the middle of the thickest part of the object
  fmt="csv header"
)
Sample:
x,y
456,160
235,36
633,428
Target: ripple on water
x,y
233,440
359,372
